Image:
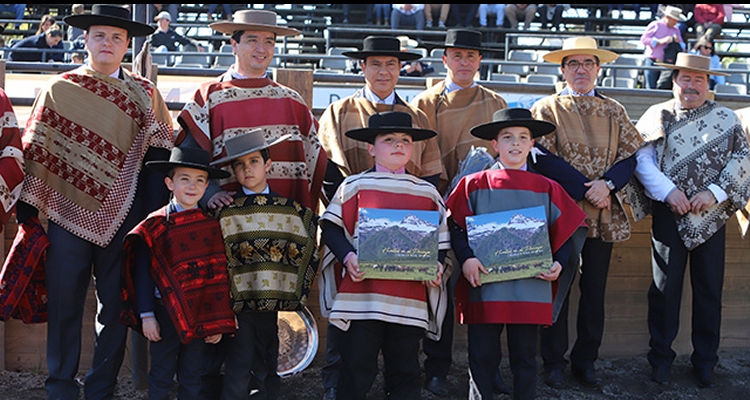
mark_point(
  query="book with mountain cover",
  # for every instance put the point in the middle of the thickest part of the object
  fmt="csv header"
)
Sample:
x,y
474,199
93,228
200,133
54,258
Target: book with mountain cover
x,y
512,244
398,244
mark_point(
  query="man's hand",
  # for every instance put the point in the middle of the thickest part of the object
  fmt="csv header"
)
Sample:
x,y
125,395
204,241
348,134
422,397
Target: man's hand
x,y
702,201
598,194
471,269
151,329
213,339
221,199
678,202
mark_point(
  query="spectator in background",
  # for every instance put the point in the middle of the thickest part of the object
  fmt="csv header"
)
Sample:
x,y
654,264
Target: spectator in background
x,y
552,14
73,32
227,8
416,67
520,12
729,10
705,47
657,35
708,20
463,14
14,11
485,10
429,10
51,39
166,39
407,15
46,23
382,14
172,9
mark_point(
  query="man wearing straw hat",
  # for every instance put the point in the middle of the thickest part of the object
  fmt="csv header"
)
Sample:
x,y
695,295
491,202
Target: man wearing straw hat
x,y
454,106
84,148
591,153
693,174
245,97
658,35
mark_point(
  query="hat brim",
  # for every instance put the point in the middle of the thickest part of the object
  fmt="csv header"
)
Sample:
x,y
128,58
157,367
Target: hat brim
x,y
705,71
266,145
401,55
229,28
490,130
440,45
369,134
166,166
85,21
557,56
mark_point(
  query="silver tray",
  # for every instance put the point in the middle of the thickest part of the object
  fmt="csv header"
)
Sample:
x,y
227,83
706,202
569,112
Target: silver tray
x,y
298,341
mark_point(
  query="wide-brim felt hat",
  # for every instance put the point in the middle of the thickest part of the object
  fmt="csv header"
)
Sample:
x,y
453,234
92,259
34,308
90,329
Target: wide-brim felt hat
x,y
580,45
674,13
243,144
109,15
188,157
389,122
382,46
692,62
253,20
462,39
508,117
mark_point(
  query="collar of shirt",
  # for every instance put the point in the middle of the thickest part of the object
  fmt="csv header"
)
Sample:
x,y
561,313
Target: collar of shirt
x,y
499,165
380,168
176,207
237,75
369,95
572,92
248,192
451,86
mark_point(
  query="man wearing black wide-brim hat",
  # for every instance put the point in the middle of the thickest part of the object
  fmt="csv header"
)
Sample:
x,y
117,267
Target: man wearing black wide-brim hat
x,y
380,60
453,106
84,147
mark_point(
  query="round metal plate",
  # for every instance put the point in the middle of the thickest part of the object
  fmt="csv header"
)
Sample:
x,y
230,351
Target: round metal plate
x,y
298,341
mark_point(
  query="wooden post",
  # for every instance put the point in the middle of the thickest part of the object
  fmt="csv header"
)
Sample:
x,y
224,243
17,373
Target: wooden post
x,y
300,80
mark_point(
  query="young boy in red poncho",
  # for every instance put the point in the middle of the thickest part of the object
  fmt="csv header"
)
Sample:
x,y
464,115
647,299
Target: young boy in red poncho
x,y
175,281
521,305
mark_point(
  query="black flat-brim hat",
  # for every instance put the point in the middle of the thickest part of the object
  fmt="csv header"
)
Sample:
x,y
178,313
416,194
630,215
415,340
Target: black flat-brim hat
x,y
382,46
109,15
463,39
389,122
512,117
189,157
240,145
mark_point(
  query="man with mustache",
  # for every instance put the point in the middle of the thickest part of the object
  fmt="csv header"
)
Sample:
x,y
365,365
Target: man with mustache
x,y
695,174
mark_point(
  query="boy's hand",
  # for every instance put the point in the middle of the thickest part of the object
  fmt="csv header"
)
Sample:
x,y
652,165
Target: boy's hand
x,y
213,339
151,329
221,199
437,281
552,274
471,269
352,268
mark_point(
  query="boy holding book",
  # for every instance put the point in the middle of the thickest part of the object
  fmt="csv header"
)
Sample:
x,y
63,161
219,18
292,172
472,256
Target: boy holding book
x,y
175,282
520,304
388,315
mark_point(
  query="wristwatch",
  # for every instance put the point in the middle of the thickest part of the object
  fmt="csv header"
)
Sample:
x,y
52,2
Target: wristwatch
x,y
610,184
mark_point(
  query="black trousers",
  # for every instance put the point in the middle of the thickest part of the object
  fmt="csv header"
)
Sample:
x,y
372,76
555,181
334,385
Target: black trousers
x,y
485,353
669,260
592,284
360,347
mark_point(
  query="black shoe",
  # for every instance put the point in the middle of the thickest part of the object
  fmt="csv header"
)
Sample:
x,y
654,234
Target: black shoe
x,y
660,375
499,386
555,379
705,377
437,386
329,394
587,377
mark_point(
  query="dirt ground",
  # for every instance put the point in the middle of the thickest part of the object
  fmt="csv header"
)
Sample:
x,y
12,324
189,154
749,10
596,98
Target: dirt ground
x,y
622,377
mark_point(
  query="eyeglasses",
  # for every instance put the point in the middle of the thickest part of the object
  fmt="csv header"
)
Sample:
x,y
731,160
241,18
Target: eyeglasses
x,y
588,65
705,47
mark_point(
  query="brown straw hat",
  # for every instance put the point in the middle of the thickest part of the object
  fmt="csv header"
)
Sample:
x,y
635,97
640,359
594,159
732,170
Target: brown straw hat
x,y
253,20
